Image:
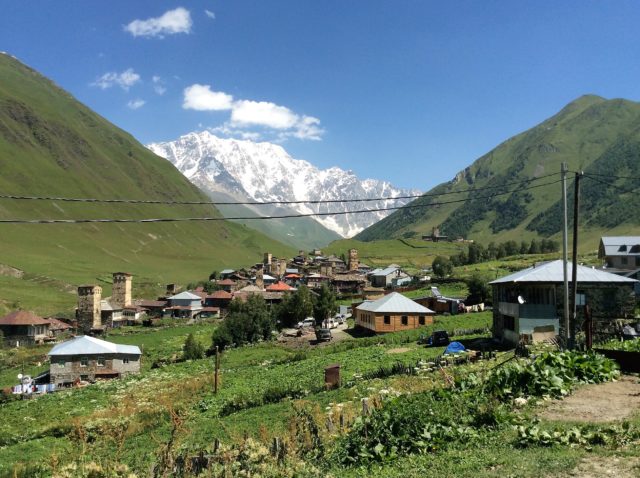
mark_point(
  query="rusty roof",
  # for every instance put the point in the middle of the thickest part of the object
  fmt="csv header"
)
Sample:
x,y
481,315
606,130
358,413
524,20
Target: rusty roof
x,y
23,317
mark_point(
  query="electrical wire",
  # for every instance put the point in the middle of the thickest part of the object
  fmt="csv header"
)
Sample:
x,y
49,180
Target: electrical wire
x,y
286,216
254,203
622,190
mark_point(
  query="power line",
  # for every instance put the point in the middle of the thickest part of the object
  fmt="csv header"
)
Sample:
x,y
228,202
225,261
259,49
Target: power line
x,y
619,188
254,203
610,176
286,216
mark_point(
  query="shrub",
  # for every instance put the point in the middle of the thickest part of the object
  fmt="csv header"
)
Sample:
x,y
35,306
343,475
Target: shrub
x,y
192,350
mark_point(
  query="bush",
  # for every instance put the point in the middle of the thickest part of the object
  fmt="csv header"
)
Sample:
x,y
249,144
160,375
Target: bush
x,y
192,349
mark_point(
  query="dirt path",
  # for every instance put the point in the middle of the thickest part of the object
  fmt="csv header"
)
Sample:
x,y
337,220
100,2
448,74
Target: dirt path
x,y
605,402
594,466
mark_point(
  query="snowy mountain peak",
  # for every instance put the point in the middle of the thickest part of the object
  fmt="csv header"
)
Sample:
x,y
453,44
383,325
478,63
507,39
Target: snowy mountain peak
x,y
266,172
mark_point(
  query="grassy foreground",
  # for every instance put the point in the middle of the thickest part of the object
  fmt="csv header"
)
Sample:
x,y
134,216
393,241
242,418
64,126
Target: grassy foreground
x,y
143,423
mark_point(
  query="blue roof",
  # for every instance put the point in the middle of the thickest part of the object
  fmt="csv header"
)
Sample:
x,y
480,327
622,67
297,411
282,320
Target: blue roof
x,y
85,345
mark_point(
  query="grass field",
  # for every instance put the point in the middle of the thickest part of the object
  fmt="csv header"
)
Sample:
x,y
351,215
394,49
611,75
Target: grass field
x,y
265,390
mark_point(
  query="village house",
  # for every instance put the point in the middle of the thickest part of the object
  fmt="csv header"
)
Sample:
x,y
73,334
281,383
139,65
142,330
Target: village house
x,y
218,298
621,255
58,327
392,313
315,281
87,359
185,305
348,283
385,277
23,328
528,304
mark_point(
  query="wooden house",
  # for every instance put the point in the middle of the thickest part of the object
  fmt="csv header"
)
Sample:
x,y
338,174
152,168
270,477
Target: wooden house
x,y
391,313
23,328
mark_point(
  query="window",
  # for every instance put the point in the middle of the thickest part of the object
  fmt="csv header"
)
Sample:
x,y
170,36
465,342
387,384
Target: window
x,y
60,363
637,261
623,261
387,320
101,362
509,323
405,320
84,361
421,320
125,360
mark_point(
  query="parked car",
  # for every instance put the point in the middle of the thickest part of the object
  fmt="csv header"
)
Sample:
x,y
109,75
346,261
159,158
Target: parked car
x,y
439,338
308,322
340,319
323,335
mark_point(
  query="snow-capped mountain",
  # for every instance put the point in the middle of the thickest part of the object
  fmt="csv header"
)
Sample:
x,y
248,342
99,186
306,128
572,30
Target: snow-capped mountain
x,y
266,172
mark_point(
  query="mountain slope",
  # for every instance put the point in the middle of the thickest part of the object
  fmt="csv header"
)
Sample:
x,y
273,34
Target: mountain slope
x,y
51,145
266,172
591,134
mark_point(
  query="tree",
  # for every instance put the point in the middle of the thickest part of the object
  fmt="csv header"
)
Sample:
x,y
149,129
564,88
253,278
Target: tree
x,y
442,266
325,305
524,247
479,290
192,349
295,307
534,248
213,275
247,322
511,248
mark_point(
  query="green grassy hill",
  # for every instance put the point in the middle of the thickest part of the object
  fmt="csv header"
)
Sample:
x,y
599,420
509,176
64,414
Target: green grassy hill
x,y
592,134
51,145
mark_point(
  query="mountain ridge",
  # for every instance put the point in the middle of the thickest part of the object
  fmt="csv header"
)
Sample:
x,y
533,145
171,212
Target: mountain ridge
x,y
582,133
266,172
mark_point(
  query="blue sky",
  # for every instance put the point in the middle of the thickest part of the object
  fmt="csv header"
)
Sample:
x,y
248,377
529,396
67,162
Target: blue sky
x,y
410,91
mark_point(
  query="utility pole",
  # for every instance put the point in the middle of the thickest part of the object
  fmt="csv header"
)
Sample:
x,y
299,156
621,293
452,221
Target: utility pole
x,y
217,371
563,170
574,272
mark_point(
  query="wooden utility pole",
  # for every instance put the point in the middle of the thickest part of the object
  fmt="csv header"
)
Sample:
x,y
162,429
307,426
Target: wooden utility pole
x,y
574,272
217,371
563,170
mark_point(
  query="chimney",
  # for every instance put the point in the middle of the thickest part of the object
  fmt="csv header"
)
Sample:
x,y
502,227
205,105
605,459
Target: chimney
x,y
89,310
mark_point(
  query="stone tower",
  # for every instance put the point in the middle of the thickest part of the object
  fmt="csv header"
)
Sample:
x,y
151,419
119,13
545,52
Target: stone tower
x,y
268,257
353,260
88,315
121,290
282,267
260,278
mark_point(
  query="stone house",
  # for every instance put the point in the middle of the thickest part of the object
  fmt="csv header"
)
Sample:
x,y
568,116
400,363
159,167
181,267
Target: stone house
x,y
620,252
391,313
87,358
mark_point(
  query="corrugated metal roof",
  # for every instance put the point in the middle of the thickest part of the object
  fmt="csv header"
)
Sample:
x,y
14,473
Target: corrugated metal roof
x,y
386,271
85,345
552,272
394,302
621,245
185,295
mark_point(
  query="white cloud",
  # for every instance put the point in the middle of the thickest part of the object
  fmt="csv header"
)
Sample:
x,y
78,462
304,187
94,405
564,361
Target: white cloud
x,y
201,98
210,14
262,113
169,23
124,80
248,114
158,85
135,104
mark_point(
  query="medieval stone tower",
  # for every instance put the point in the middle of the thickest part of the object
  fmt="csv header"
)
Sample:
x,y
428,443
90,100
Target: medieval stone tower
x,y
268,257
260,278
88,315
353,260
121,290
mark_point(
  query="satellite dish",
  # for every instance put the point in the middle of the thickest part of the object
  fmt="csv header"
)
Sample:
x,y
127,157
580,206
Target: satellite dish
x,y
19,376
521,300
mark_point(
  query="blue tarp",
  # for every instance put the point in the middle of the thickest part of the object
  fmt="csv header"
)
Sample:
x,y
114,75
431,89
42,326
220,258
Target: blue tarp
x,y
454,348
